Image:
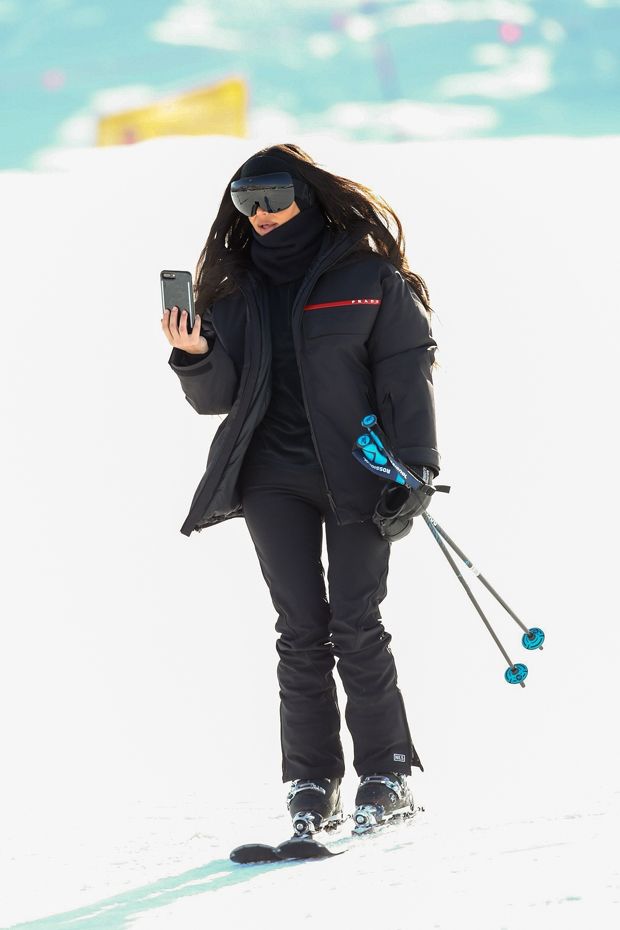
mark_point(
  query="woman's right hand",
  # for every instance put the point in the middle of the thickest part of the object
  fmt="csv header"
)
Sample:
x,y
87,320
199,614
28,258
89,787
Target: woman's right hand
x,y
177,335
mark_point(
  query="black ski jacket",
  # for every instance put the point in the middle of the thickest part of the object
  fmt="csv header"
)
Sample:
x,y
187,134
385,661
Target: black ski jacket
x,y
363,344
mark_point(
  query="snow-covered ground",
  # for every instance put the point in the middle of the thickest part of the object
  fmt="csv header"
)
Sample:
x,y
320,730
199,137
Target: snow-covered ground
x,y
139,729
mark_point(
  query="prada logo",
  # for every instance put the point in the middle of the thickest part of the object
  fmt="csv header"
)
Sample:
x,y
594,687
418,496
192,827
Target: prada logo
x,y
345,303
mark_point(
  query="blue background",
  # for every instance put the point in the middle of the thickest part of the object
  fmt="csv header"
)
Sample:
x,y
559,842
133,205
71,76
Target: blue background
x,y
100,46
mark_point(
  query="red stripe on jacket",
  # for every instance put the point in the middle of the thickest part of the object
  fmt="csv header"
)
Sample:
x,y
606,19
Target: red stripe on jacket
x,y
344,303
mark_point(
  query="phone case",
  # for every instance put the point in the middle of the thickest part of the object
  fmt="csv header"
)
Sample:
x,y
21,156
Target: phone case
x,y
177,291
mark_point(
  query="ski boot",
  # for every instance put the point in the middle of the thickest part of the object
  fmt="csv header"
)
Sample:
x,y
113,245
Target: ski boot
x,y
314,804
380,799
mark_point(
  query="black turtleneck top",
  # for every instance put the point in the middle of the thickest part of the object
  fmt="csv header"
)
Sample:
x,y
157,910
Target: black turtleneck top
x,y
282,257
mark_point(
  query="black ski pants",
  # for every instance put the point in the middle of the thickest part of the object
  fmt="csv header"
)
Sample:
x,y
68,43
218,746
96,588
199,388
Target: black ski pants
x,y
285,510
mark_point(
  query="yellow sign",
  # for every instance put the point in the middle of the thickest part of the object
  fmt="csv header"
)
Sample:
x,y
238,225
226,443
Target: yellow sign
x,y
217,110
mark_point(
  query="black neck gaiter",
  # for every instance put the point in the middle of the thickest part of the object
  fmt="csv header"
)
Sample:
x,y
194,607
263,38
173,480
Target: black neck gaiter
x,y
285,253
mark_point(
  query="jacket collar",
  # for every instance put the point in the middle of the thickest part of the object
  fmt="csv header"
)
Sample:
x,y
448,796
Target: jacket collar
x,y
334,245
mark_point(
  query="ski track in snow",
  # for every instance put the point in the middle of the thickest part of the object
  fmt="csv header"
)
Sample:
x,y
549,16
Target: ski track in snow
x,y
433,872
140,736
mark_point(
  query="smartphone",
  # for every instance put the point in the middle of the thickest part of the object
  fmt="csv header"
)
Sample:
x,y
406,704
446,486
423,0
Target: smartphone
x,y
177,290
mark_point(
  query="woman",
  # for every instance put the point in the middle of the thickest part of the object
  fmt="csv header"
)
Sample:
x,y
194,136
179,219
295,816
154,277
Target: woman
x,y
307,319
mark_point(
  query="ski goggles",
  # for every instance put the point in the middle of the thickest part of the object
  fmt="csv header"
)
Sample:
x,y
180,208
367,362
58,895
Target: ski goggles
x,y
269,192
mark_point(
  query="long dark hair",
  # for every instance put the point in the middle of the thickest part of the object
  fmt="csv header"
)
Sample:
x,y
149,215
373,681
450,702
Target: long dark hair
x,y
342,202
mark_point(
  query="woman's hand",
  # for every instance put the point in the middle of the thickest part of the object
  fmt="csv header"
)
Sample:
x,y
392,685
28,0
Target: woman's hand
x,y
177,335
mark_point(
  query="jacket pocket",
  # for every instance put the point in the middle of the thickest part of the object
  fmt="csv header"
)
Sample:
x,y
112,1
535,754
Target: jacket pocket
x,y
371,402
388,417
357,319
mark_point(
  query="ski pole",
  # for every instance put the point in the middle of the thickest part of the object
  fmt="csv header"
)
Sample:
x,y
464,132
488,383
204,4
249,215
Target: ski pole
x,y
515,673
533,638
373,451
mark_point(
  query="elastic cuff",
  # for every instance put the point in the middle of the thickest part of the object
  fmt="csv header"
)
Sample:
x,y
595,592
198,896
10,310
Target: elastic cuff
x,y
186,362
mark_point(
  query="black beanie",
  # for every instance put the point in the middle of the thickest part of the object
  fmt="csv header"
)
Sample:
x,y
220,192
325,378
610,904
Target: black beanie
x,y
271,164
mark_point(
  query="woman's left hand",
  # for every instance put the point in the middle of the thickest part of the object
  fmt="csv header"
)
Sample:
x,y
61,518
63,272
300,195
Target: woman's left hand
x,y
398,505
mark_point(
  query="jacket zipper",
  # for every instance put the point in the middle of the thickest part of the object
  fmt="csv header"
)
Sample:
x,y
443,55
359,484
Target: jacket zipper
x,y
320,270
312,433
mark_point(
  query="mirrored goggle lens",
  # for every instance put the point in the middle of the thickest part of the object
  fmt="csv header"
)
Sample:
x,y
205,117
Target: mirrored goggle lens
x,y
270,192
